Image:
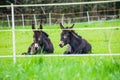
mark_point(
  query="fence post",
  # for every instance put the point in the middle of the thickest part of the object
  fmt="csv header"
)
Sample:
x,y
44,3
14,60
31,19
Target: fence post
x,y
88,17
8,20
119,13
35,19
98,18
62,19
13,34
109,45
49,18
23,21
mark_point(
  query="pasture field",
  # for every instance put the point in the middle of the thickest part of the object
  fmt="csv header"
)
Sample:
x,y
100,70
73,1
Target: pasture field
x,y
99,39
64,67
61,68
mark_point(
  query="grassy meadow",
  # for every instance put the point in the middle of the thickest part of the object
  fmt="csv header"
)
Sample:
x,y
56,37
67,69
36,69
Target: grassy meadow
x,y
99,39
62,68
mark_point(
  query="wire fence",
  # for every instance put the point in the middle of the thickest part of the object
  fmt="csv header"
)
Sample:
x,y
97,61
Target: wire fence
x,y
62,55
61,4
54,18
24,19
106,38
62,19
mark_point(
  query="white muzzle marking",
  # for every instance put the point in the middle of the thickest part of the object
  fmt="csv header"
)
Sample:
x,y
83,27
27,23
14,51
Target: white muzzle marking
x,y
62,43
36,44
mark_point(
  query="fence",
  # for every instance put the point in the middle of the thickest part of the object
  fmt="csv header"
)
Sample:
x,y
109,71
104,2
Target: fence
x,y
22,17
54,18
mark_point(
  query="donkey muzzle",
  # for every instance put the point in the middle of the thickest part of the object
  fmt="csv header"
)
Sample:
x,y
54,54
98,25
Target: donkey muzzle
x,y
61,44
36,45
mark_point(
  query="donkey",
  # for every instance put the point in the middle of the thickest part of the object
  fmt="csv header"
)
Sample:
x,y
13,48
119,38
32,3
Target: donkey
x,y
76,44
41,40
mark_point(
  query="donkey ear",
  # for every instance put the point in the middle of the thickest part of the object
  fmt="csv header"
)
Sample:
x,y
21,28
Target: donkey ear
x,y
61,26
33,25
72,26
40,27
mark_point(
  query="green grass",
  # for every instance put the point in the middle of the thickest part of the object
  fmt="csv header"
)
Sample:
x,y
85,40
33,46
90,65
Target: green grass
x,y
98,38
61,68
109,23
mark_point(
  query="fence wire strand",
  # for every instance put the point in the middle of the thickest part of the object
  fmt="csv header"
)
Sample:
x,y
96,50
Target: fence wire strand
x,y
61,4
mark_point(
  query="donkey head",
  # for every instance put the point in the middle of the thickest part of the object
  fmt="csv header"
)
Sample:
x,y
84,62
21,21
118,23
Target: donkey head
x,y
36,35
65,35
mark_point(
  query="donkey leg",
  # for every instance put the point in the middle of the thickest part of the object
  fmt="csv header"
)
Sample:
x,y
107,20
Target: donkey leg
x,y
31,50
26,53
68,50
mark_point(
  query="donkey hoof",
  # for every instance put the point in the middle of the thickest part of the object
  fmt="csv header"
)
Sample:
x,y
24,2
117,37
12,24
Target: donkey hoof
x,y
24,53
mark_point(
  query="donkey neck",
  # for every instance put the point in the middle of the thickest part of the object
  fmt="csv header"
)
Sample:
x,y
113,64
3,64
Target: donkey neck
x,y
75,41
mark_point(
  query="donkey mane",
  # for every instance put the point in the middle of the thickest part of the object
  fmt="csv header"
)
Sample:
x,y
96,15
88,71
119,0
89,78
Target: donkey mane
x,y
45,33
74,33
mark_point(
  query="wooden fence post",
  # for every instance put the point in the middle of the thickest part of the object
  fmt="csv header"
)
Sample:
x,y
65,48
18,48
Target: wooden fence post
x,y
8,20
35,19
88,17
23,21
49,18
62,19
